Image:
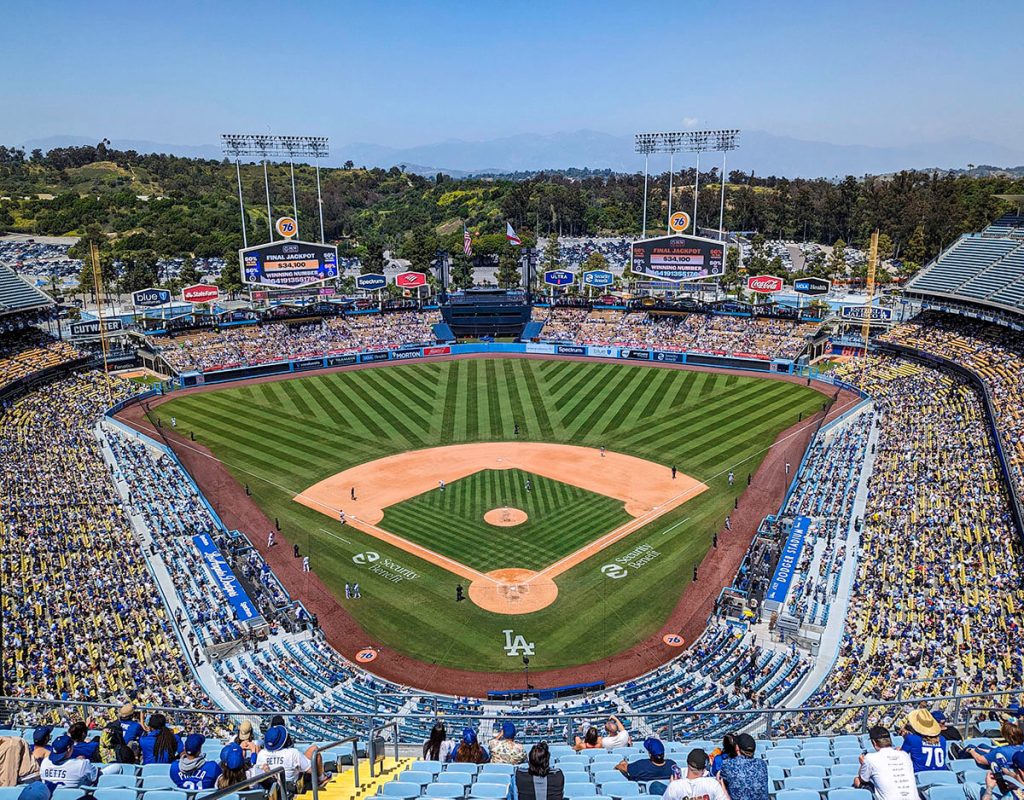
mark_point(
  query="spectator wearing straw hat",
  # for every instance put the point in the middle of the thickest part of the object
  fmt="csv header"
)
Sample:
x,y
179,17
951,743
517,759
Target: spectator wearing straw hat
x,y
127,718
923,741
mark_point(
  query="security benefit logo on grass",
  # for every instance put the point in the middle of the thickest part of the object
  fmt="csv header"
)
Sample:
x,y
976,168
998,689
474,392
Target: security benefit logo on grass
x,y
385,567
635,559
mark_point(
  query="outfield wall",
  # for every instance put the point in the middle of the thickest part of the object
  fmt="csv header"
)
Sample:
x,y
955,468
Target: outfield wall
x,y
749,362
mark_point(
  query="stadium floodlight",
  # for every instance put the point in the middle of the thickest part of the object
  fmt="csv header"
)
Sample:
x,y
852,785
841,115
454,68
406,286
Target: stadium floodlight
x,y
672,142
266,146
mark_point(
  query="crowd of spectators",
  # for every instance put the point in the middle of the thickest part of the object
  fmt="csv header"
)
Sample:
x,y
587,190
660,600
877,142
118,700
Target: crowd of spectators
x,y
994,353
936,601
247,345
720,334
81,619
24,353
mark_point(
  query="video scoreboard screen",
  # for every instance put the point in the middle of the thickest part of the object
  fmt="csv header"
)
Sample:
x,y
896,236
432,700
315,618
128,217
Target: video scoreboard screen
x,y
289,264
679,258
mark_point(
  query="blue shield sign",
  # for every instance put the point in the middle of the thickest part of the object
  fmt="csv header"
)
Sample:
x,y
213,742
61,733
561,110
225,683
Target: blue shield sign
x,y
148,298
371,282
558,277
598,277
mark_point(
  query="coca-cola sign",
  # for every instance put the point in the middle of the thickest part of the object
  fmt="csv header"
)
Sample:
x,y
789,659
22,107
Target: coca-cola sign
x,y
764,284
200,293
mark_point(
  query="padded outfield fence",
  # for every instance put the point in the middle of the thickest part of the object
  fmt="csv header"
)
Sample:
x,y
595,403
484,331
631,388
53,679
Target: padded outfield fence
x,y
969,712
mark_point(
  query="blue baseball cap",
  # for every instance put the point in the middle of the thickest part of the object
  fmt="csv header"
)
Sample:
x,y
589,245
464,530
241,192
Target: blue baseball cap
x,y
35,791
63,746
508,730
275,737
939,715
41,734
1018,760
654,747
233,756
468,736
194,744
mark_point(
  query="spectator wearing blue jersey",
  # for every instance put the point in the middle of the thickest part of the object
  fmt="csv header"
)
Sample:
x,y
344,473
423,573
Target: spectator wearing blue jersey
x,y
923,741
127,718
89,750
727,751
193,771
159,745
984,756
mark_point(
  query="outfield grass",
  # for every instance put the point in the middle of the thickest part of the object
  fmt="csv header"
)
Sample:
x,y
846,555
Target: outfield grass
x,y
560,520
282,437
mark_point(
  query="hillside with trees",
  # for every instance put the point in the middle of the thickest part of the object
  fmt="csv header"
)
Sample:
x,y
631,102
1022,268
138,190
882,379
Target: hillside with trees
x,y
141,206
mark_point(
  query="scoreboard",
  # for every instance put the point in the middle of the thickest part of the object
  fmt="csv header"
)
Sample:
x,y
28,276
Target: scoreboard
x,y
288,264
679,258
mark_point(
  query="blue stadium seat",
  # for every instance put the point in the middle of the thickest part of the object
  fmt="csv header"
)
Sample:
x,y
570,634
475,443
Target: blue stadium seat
x,y
604,776
797,794
775,774
988,726
418,778
786,762
946,793
456,776
68,793
470,769
491,791
848,794
937,777
446,791
104,793
158,781
568,766
160,794
818,761
10,792
433,767
401,791
806,770
843,773
619,790
812,784
117,781
500,769
576,789
155,769
501,778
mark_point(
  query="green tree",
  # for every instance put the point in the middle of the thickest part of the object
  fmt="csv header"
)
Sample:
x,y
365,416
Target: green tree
x,y
837,261
189,272
885,247
758,261
552,254
462,271
508,274
914,251
230,278
371,255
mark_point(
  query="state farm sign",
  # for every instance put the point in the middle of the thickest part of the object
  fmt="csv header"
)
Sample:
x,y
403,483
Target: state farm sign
x,y
764,284
200,293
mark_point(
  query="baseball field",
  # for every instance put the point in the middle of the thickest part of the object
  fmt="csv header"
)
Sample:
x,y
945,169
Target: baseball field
x,y
543,487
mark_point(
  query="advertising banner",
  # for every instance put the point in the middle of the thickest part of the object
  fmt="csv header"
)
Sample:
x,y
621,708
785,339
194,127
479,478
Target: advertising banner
x,y
571,350
678,258
788,560
534,347
148,298
603,352
225,578
289,264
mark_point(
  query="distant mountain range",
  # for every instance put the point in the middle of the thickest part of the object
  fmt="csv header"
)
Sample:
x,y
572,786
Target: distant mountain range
x,y
765,153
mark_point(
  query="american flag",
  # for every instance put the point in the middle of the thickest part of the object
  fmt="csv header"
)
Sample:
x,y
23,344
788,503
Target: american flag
x,y
467,242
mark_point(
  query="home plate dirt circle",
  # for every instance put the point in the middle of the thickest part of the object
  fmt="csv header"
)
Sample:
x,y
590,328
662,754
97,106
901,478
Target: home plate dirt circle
x,y
513,591
505,517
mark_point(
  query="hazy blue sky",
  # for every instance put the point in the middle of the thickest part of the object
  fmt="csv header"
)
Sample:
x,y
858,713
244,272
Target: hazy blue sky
x,y
403,73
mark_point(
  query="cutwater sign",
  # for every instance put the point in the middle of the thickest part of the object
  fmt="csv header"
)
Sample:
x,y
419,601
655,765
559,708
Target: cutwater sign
x,y
558,277
225,578
371,282
147,298
598,277
790,557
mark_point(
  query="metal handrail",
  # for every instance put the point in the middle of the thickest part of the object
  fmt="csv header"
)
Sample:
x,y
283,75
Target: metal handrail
x,y
277,775
371,751
353,740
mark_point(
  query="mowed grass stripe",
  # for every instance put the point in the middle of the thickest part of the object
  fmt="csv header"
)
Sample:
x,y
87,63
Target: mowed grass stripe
x,y
494,427
450,393
561,518
519,416
570,383
642,392
588,383
659,395
605,401
529,378
297,392
409,411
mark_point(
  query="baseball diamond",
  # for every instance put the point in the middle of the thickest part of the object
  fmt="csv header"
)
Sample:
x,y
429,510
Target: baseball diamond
x,y
283,438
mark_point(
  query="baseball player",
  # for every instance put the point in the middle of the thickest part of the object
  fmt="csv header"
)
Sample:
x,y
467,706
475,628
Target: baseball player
x,y
305,563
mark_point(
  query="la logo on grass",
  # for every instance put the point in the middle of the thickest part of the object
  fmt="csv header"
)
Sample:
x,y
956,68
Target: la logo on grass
x,y
517,646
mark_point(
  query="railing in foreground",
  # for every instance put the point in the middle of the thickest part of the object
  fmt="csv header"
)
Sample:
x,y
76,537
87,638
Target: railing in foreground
x,y
275,775
320,748
963,710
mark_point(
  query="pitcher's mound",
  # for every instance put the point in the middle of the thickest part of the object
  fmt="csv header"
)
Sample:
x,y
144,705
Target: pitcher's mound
x,y
505,517
513,591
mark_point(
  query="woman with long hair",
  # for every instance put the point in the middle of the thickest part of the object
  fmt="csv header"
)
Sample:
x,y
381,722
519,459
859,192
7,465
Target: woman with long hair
x,y
539,781
437,747
469,751
727,750
591,740
234,766
159,744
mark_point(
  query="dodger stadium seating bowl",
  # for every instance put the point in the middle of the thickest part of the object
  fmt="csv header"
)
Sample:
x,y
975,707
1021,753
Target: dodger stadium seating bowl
x,y
889,578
